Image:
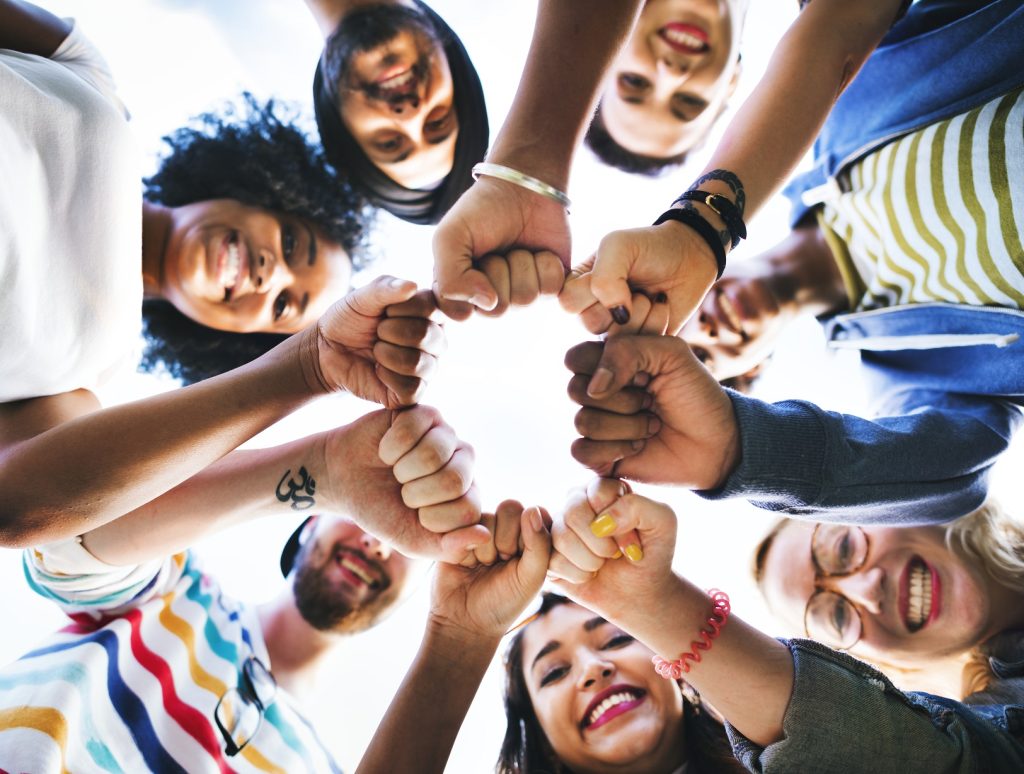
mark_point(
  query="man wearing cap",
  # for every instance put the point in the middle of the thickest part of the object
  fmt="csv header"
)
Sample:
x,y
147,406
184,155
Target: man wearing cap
x,y
159,670
399,104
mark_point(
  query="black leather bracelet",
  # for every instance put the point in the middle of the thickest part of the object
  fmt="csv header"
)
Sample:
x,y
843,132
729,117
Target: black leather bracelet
x,y
725,209
707,232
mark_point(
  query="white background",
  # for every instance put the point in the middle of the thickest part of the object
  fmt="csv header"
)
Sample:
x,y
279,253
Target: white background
x,y
502,385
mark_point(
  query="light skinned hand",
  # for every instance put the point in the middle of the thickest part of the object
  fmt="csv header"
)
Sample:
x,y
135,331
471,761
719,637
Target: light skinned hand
x,y
521,277
406,478
619,585
485,600
651,412
492,218
379,343
649,315
668,261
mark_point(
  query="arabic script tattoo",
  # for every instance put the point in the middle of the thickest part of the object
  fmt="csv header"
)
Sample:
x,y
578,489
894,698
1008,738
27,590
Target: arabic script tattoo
x,y
294,489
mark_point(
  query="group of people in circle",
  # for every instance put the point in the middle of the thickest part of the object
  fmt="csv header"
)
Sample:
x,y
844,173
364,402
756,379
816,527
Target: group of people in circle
x,y
889,556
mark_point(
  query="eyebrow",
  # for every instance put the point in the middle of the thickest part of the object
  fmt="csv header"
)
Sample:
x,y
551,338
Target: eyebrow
x,y
588,626
312,244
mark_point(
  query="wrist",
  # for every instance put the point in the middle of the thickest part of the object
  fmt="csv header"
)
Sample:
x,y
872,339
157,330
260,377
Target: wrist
x,y
535,160
308,343
453,638
680,233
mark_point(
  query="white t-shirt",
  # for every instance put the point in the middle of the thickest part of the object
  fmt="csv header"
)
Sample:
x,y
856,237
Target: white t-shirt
x,y
70,223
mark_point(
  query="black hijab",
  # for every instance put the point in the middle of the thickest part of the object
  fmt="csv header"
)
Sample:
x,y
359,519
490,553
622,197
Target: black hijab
x,y
414,205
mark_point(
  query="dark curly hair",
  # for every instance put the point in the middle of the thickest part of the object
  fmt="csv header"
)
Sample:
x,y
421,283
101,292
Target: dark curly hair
x,y
609,152
526,749
250,153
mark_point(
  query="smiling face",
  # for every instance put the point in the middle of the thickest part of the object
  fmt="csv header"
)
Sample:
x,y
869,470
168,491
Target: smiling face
x,y
345,579
673,76
243,269
396,93
597,697
916,600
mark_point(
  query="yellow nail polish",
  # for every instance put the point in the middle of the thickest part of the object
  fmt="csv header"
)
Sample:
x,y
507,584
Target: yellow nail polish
x,y
603,525
634,552
617,555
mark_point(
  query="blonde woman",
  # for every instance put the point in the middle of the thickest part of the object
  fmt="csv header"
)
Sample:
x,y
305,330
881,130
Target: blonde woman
x,y
911,599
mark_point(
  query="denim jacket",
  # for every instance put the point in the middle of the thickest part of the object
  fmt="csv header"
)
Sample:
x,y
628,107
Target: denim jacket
x,y
948,386
846,717
943,58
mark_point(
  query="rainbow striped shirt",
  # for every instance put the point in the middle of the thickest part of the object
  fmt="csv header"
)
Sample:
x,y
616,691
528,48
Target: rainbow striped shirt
x,y
131,684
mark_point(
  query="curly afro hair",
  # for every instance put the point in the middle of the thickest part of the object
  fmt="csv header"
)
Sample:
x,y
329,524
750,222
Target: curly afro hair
x,y
250,153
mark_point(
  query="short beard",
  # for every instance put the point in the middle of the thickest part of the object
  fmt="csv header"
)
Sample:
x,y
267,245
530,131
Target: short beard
x,y
324,607
365,29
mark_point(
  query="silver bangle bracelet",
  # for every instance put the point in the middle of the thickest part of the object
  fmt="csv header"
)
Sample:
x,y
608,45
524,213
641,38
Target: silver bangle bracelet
x,y
516,177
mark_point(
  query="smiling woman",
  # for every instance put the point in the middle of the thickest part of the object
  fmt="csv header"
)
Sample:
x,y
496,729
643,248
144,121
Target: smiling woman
x,y
911,598
245,232
580,695
399,105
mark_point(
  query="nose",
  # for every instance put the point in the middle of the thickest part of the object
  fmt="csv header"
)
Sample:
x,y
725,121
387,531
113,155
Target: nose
x,y
405,103
863,588
270,272
373,547
673,68
595,670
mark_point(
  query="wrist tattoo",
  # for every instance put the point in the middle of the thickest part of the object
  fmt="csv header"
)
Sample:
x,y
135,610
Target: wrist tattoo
x,y
299,490
732,180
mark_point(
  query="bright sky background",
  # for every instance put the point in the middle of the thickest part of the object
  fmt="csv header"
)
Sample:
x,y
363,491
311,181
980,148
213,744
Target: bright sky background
x,y
502,384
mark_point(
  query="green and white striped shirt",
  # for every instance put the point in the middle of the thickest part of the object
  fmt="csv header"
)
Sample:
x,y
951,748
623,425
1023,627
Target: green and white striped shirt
x,y
937,215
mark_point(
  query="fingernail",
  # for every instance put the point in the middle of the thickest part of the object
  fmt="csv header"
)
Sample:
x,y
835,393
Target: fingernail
x,y
482,301
653,425
660,298
603,525
504,557
617,555
396,282
620,314
536,521
648,401
634,552
600,381
636,445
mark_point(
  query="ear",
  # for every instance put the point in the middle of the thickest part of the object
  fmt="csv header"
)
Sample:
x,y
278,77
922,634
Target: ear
x,y
308,529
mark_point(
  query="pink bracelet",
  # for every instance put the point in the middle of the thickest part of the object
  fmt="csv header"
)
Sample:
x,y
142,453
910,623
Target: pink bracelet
x,y
674,670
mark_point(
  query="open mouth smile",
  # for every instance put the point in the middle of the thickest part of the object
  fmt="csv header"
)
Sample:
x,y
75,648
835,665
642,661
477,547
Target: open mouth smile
x,y
920,598
232,264
358,571
610,704
685,38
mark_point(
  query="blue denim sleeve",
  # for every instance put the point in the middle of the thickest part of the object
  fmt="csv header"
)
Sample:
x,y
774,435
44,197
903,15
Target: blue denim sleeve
x,y
927,465
846,717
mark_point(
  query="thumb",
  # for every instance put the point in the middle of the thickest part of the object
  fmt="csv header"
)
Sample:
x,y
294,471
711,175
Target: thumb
x,y
623,357
455,279
457,544
373,298
609,278
533,563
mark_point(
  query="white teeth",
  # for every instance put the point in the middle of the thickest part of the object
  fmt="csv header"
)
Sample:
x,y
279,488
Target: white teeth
x,y
357,570
607,704
397,81
229,273
684,38
919,597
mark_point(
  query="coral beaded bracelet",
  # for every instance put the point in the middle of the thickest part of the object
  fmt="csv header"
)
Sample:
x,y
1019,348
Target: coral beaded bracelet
x,y
674,670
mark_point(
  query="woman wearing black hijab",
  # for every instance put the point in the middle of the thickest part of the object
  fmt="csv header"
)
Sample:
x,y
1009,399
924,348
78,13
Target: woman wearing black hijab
x,y
399,105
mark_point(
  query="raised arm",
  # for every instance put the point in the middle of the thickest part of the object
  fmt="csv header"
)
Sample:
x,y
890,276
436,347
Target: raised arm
x,y
577,40
812,64
67,467
781,702
471,608
30,29
928,462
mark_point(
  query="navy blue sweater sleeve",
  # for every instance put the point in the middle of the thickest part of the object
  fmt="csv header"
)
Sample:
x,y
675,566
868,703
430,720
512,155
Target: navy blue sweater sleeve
x,y
925,466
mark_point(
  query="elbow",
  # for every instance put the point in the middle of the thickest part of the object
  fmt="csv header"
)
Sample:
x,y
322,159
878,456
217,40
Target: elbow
x,y
20,530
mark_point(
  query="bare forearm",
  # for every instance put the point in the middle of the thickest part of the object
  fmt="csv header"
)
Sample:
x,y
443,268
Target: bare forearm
x,y
746,675
801,271
574,42
30,29
815,60
82,474
446,667
244,485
